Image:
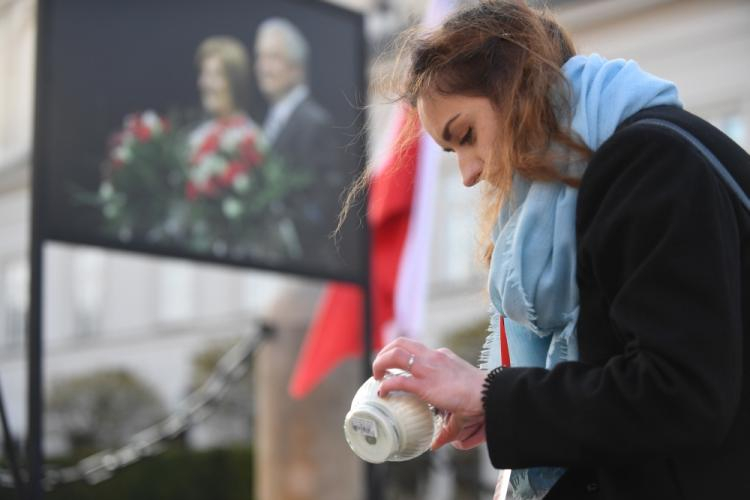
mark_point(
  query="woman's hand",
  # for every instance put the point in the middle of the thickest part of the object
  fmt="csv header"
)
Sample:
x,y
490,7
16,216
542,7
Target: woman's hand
x,y
442,379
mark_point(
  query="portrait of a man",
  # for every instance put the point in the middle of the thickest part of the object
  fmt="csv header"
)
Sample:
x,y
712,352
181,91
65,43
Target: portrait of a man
x,y
301,131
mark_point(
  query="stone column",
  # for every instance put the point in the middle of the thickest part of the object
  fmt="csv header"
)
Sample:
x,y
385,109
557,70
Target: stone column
x,y
301,453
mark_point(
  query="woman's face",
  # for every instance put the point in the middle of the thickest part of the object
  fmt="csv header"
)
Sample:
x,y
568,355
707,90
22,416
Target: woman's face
x,y
466,125
213,84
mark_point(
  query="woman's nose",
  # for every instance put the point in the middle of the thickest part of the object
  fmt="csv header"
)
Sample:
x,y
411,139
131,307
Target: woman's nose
x,y
470,167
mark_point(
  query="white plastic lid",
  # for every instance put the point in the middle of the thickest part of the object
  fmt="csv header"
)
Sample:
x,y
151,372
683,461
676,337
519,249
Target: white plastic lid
x,y
371,433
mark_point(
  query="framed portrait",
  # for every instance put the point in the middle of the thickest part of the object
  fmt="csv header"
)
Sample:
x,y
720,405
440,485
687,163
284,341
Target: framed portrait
x,y
223,131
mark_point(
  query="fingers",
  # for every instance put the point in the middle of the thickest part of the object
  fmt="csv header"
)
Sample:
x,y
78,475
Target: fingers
x,y
446,351
471,443
475,438
396,355
407,344
461,432
447,434
399,383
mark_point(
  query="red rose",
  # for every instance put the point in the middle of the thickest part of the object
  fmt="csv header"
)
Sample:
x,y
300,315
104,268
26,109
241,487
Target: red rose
x,y
191,191
211,187
231,172
141,131
249,153
209,145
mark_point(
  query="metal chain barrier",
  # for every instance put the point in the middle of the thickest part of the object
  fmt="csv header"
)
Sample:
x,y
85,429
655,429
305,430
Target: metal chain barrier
x,y
195,408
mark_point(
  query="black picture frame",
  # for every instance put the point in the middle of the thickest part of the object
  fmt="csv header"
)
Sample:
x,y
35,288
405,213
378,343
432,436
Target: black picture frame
x,y
102,60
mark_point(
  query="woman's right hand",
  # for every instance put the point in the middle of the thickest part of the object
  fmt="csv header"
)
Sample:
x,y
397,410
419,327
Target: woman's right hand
x,y
442,379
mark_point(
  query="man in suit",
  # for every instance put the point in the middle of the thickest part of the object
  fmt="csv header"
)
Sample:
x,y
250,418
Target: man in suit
x,y
301,131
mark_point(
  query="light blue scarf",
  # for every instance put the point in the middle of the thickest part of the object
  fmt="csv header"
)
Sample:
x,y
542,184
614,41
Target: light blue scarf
x,y
532,273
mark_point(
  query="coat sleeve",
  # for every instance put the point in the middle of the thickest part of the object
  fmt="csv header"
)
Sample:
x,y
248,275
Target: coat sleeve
x,y
658,239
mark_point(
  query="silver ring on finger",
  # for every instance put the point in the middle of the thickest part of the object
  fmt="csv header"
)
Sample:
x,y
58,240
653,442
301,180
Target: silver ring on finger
x,y
410,363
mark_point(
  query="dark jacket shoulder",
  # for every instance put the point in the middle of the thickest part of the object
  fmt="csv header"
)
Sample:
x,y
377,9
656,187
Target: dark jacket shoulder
x,y
311,113
639,149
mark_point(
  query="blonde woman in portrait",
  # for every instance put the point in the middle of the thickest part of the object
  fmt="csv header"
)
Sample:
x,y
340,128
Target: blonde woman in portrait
x,y
225,146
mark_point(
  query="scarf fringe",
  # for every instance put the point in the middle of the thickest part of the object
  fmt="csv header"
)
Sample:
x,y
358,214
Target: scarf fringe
x,y
489,356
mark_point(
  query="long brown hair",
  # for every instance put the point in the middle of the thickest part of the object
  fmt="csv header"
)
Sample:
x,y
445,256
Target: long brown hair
x,y
511,54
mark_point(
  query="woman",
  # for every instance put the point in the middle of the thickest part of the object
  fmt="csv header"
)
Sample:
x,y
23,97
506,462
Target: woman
x,y
224,154
226,146
619,270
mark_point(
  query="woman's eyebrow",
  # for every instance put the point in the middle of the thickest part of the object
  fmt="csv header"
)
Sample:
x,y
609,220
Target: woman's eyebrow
x,y
446,128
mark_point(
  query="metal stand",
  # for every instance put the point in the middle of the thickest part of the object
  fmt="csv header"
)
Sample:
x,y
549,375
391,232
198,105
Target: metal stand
x,y
373,479
374,485
10,452
34,455
35,406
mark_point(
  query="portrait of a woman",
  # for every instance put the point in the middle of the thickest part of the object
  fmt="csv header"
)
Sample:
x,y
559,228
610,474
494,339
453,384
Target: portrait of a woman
x,y
224,147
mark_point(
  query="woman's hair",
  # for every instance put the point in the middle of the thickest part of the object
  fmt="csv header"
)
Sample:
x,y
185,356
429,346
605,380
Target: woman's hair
x,y
235,61
511,54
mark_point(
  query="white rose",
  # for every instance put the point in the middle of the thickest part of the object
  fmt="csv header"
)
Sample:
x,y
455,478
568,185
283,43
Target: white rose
x,y
241,183
152,121
231,139
232,208
106,191
122,153
210,165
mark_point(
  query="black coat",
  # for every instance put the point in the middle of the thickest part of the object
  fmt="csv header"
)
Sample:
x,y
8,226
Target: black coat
x,y
309,143
658,407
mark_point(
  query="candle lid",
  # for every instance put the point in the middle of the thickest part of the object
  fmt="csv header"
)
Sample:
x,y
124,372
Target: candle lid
x,y
371,433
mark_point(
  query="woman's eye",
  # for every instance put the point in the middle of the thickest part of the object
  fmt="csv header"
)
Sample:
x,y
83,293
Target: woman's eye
x,y
467,137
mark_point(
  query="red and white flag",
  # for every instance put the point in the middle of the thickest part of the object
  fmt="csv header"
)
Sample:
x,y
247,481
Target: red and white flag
x,y
400,214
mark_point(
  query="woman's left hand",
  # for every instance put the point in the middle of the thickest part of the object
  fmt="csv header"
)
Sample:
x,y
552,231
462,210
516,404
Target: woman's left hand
x,y
442,379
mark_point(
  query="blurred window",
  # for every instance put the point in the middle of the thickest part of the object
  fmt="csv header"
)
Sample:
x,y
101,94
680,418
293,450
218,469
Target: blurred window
x,y
17,46
260,291
454,259
735,126
16,302
88,291
176,292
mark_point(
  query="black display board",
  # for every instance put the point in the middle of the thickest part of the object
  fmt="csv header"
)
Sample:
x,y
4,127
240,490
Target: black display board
x,y
151,132
161,128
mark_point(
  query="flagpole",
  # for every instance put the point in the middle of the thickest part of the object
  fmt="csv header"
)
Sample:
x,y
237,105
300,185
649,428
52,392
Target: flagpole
x,y
374,489
34,328
372,484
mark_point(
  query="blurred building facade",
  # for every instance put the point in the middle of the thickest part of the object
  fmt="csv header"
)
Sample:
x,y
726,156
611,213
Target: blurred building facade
x,y
153,316
698,44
